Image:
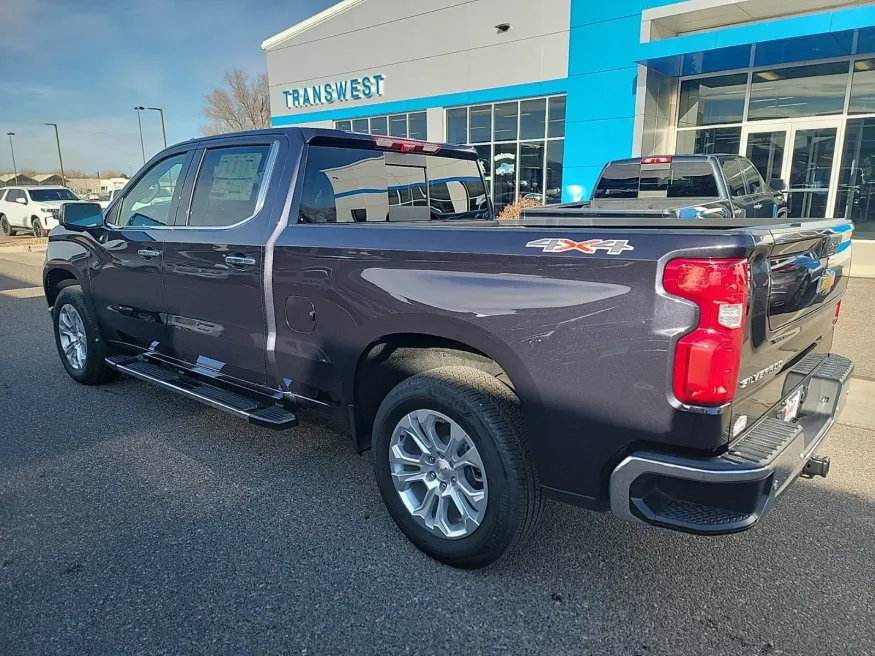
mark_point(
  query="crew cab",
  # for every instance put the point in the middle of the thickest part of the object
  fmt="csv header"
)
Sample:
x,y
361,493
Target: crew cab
x,y
32,209
685,186
632,365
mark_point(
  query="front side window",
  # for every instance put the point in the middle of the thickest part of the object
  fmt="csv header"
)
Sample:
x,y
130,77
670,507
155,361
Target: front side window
x,y
352,185
148,202
734,177
755,183
14,195
228,185
48,195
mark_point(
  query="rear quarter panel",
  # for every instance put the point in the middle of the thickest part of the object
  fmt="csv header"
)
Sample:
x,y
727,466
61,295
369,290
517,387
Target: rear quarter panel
x,y
585,338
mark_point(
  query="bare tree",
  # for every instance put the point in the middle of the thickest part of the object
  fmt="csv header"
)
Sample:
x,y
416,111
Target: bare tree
x,y
239,104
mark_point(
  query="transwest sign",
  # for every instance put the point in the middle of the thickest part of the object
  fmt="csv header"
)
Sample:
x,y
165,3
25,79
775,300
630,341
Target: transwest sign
x,y
356,88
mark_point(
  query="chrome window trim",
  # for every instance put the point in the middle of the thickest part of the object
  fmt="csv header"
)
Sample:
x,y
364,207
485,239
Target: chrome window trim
x,y
259,201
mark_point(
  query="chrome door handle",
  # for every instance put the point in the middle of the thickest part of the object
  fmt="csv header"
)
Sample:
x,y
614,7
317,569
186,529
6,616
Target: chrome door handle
x,y
239,261
758,206
148,252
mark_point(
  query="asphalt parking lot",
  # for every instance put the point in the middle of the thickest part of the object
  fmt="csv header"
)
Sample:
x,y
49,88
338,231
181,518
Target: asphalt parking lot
x,y
133,521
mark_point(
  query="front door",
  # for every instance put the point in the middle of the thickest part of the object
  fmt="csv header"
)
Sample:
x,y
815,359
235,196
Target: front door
x,y
803,155
126,287
214,260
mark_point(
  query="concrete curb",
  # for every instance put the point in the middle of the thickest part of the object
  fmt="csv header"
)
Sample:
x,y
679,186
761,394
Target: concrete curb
x,y
33,248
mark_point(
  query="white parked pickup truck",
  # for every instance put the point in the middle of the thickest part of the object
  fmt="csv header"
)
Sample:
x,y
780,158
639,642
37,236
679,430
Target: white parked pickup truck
x,y
32,209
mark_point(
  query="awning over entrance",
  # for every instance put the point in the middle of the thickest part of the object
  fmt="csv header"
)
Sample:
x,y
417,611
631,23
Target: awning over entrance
x,y
780,41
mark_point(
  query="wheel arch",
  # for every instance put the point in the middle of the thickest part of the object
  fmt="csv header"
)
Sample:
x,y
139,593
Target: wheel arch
x,y
392,356
57,278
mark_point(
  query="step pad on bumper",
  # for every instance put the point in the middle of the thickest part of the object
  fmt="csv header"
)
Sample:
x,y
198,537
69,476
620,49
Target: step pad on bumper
x,y
239,405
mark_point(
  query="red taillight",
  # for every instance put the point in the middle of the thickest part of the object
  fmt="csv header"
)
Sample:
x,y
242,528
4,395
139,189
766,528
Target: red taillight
x,y
707,360
835,318
406,145
656,160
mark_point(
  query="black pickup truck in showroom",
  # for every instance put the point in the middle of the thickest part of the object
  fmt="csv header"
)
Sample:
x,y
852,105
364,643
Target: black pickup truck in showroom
x,y
676,372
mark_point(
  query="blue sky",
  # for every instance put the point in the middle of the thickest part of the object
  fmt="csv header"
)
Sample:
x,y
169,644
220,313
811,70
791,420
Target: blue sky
x,y
84,64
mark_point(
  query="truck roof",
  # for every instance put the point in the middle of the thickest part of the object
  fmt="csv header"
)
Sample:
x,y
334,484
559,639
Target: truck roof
x,y
326,136
673,158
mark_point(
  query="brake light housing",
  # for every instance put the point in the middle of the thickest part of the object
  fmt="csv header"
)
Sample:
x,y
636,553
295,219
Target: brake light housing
x,y
406,145
663,159
708,359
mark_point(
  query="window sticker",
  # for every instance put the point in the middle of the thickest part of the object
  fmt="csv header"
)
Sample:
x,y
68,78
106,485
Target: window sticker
x,y
236,176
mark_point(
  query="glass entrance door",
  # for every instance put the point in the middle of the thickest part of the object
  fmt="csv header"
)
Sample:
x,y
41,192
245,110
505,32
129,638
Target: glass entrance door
x,y
801,154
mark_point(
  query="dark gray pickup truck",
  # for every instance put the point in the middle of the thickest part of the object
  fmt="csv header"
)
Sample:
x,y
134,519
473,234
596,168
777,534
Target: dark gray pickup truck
x,y
684,186
675,372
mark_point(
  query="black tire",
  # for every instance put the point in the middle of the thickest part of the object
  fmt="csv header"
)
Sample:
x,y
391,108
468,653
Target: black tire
x,y
5,227
490,413
37,228
94,370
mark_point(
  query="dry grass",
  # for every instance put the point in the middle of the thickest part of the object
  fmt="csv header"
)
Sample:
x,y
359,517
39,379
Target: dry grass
x,y
25,241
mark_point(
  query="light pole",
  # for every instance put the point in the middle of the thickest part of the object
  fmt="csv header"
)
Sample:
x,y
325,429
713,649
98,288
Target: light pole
x,y
60,159
12,150
163,131
138,109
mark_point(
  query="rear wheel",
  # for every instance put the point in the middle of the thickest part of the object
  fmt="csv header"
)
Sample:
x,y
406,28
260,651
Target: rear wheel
x,y
451,460
79,343
5,227
37,228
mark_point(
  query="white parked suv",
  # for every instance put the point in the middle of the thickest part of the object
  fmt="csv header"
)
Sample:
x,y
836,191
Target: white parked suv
x,y
32,209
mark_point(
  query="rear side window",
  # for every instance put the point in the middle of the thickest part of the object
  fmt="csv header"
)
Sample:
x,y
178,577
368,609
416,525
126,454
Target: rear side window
x,y
734,177
348,185
228,185
690,179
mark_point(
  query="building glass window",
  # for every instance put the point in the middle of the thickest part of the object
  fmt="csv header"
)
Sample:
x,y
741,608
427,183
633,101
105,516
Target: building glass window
x,y
812,90
863,88
481,124
412,125
710,141
380,125
533,115
856,191
556,119
712,100
457,125
506,116
520,145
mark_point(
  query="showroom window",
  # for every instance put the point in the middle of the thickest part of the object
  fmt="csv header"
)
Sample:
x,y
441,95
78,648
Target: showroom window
x,y
411,125
521,145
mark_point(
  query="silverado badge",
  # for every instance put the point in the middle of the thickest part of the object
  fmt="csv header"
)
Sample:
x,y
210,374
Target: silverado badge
x,y
610,246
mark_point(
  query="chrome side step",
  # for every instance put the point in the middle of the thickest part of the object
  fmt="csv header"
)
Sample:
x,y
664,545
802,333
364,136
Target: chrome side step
x,y
260,414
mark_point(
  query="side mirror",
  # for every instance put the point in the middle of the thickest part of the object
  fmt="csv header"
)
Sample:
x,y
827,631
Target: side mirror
x,y
777,184
21,201
81,216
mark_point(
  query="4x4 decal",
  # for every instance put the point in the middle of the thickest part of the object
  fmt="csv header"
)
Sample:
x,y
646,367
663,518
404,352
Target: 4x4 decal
x,y
611,246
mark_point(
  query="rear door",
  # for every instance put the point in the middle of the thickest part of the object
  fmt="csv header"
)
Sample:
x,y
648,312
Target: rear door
x,y
214,257
16,212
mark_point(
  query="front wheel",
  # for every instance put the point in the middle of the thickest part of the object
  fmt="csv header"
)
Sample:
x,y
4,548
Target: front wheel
x,y
79,343
451,460
37,228
5,227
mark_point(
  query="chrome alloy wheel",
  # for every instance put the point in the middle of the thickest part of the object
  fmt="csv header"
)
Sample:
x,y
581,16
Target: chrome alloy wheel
x,y
438,474
74,341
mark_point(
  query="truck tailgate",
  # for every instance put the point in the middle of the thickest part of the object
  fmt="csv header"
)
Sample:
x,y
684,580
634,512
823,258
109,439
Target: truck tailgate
x,y
797,283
